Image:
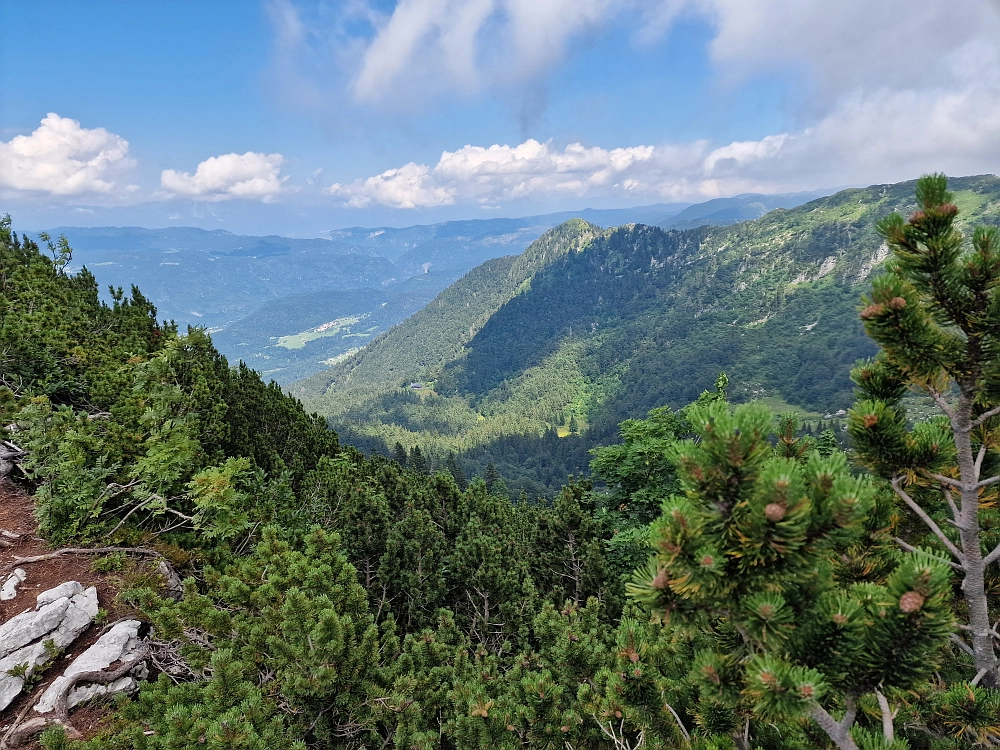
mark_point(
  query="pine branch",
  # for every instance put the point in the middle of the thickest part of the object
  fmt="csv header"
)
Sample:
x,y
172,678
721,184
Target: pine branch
x,y
984,416
942,404
945,480
979,460
992,557
927,520
887,729
962,645
911,548
988,482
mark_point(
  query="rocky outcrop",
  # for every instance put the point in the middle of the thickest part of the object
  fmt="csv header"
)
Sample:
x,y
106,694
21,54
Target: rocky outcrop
x,y
120,644
33,638
9,589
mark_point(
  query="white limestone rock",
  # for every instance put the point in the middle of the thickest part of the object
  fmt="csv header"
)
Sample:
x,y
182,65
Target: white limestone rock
x,y
9,589
68,589
118,644
33,638
30,626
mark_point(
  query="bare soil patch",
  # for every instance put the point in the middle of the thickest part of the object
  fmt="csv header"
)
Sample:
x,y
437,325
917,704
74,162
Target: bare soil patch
x,y
17,516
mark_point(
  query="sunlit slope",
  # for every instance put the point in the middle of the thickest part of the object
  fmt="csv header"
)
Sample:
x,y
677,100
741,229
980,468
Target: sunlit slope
x,y
435,335
632,318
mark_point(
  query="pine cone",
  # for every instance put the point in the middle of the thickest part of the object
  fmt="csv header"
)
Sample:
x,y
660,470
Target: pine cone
x,y
774,512
911,601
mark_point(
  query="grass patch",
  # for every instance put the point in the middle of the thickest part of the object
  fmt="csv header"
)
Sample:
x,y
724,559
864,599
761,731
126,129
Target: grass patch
x,y
333,328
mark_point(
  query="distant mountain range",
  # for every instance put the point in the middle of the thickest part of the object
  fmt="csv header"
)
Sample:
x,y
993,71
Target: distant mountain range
x,y
288,307
590,326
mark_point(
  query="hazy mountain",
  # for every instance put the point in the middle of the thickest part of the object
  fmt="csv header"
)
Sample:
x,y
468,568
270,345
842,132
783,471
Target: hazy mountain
x,y
265,297
601,325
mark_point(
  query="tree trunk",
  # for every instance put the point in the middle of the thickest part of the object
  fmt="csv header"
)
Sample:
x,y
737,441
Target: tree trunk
x,y
974,583
838,731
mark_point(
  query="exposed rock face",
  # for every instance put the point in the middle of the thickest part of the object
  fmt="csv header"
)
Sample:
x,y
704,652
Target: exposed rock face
x,y
33,638
15,579
121,643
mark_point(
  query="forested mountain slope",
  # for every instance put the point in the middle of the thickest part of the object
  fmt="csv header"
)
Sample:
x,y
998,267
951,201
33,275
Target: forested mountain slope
x,y
435,335
739,586
638,318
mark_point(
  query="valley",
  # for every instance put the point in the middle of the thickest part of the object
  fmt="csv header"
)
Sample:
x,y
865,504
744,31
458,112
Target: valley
x,y
596,326
251,291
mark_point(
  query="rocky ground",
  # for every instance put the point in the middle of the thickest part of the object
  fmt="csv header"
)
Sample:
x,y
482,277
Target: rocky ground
x,y
64,638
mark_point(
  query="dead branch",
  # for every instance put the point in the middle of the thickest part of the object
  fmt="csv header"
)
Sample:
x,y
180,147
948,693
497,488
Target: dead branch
x,y
60,714
174,584
10,454
27,707
83,551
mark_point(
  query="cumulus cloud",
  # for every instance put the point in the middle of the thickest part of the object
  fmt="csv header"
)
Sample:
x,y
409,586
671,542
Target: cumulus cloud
x,y
498,173
62,158
884,135
250,176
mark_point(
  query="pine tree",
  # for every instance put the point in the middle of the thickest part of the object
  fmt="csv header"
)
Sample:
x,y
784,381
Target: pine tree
x,y
935,312
399,454
416,460
752,553
492,477
827,443
455,469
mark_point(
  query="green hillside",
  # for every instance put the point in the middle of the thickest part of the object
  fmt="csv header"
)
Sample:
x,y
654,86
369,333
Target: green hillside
x,y
636,318
434,336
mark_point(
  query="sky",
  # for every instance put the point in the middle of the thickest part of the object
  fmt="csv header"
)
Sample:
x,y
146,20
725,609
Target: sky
x,y
300,116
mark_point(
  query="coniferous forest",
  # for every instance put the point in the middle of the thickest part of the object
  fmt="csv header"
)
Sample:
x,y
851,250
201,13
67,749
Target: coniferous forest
x,y
737,582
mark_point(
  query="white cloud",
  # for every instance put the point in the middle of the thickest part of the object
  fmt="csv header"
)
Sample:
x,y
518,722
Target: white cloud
x,y
884,135
474,174
62,158
250,176
916,89
849,43
423,47
468,44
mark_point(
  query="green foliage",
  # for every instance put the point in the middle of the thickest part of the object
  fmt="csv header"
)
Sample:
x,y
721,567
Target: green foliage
x,y
935,313
618,322
338,600
752,548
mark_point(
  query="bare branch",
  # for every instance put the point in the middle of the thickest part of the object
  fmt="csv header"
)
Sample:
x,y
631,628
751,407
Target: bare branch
x,y
945,480
60,713
992,557
121,523
988,482
677,718
927,520
887,729
979,460
951,504
962,645
911,548
82,551
985,415
942,404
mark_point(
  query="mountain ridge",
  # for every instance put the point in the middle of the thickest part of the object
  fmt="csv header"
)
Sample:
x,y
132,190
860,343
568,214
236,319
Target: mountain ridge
x,y
640,317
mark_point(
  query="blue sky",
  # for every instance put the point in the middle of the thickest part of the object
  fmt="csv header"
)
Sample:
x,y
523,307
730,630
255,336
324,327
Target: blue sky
x,y
295,117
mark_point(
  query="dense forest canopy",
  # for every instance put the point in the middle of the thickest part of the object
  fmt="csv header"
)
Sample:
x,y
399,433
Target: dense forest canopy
x,y
739,585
